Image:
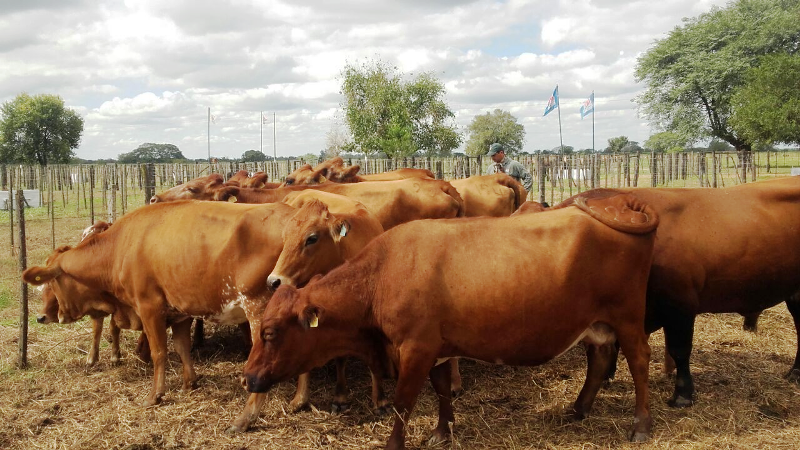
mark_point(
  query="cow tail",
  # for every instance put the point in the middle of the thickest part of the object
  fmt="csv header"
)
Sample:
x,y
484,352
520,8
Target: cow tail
x,y
452,192
622,212
520,194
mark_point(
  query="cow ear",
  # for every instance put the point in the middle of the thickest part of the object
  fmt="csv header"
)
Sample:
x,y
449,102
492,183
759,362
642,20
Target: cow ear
x,y
311,316
214,179
340,229
227,194
351,171
318,176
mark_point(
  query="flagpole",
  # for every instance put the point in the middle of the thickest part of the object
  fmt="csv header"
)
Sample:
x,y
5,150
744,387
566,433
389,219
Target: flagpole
x,y
261,119
208,135
560,137
274,149
593,108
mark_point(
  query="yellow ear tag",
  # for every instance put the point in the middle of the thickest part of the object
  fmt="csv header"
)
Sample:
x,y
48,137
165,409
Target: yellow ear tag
x,y
38,278
232,199
314,322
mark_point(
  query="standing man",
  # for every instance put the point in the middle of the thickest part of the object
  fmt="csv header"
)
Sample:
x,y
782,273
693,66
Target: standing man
x,y
509,166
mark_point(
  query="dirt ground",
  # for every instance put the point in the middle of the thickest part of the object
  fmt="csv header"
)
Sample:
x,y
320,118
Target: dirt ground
x,y
743,400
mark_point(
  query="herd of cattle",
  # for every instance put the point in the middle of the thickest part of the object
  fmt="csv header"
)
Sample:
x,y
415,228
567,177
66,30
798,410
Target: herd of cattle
x,y
330,264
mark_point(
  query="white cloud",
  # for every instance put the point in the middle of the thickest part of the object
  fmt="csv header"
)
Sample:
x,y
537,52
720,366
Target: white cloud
x,y
147,70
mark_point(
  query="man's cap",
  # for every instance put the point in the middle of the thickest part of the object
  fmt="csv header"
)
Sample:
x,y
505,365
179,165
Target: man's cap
x,y
495,148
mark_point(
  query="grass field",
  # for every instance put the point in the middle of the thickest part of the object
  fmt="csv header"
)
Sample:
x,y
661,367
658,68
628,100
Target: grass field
x,y
743,400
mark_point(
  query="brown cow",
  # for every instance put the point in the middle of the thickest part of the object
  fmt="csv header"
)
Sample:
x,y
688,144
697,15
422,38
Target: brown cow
x,y
306,175
734,249
238,178
412,298
496,195
392,202
343,174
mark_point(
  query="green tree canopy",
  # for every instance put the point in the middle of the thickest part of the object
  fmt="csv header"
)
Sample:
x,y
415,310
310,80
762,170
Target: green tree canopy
x,y
616,144
766,109
253,156
692,74
151,153
385,113
665,142
38,129
496,126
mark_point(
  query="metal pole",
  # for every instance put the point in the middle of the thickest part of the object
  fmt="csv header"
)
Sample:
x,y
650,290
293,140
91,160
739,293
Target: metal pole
x,y
274,148
560,137
261,119
23,304
594,108
209,135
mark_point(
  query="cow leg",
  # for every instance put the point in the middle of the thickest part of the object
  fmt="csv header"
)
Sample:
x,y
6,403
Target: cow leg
x,y
612,367
181,338
244,327
97,334
637,352
143,348
678,334
793,304
340,396
599,358
413,366
249,414
379,400
751,322
669,363
455,378
302,394
440,379
116,355
155,327
199,333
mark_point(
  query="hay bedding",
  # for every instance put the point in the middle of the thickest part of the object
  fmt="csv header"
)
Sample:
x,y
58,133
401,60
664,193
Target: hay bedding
x,y
743,401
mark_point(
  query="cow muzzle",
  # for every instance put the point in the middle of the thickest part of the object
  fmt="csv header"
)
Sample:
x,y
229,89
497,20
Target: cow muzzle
x,y
41,319
274,281
154,199
256,384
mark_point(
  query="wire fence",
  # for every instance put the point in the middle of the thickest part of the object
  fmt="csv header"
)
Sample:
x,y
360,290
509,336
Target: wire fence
x,y
67,197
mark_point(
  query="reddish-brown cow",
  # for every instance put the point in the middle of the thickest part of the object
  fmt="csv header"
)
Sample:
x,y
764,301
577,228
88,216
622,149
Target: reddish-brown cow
x,y
412,298
496,195
734,249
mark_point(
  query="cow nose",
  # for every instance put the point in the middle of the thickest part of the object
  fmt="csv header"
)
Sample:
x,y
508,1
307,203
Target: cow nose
x,y
273,281
154,199
41,319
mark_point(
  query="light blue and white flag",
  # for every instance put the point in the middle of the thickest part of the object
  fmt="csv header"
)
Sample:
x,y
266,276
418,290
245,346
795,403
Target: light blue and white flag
x,y
552,103
587,107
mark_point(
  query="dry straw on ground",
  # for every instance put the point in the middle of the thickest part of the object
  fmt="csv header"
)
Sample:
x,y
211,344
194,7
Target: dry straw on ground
x,y
59,403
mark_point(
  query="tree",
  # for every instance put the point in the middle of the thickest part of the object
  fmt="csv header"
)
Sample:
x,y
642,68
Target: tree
x,y
766,109
385,113
496,126
692,73
336,141
665,142
253,156
719,146
616,144
151,153
38,129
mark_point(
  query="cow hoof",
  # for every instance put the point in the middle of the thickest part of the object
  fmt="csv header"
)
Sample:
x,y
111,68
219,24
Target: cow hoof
x,y
297,405
190,386
116,360
680,401
793,376
438,437
639,436
152,401
339,407
577,416
91,361
235,429
455,393
607,383
381,410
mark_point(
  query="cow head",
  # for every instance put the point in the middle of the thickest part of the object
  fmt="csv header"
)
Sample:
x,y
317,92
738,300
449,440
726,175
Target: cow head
x,y
341,174
238,178
65,300
306,175
203,188
258,180
287,340
310,245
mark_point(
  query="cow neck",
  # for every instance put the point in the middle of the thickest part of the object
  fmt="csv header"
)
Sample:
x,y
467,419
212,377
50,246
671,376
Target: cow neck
x,y
90,262
348,292
253,195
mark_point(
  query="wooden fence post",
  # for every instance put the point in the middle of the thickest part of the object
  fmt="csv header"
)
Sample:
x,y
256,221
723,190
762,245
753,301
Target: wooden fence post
x,y
91,194
540,178
23,304
11,208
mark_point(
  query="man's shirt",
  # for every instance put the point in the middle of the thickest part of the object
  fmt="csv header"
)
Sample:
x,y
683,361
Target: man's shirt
x,y
516,170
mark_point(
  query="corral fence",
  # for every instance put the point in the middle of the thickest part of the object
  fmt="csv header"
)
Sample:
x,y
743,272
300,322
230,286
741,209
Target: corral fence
x,y
89,192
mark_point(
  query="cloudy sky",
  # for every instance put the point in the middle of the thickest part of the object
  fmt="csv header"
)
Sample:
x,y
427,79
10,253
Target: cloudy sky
x,y
148,70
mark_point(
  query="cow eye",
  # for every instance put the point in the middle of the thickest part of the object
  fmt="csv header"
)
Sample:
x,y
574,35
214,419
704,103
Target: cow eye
x,y
268,334
289,181
193,190
311,240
